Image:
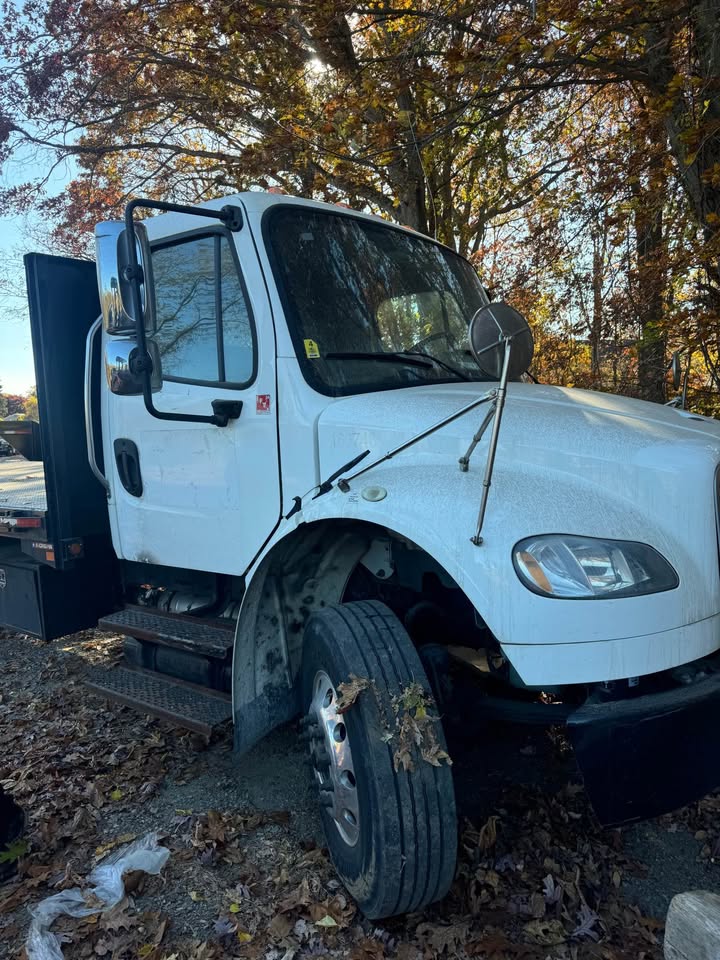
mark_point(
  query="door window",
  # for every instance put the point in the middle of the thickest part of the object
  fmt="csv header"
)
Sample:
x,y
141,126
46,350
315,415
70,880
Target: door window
x,y
204,331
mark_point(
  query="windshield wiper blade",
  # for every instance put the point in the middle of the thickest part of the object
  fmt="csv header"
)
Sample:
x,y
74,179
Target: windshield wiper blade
x,y
379,355
400,356
441,363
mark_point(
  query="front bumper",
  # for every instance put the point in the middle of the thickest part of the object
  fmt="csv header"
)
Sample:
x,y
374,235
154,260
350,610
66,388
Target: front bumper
x,y
646,756
555,664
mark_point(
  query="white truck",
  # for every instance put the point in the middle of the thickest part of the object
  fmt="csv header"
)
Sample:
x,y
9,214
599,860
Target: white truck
x,y
269,428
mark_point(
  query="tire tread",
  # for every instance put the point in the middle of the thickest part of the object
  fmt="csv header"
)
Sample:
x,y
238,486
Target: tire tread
x,y
424,798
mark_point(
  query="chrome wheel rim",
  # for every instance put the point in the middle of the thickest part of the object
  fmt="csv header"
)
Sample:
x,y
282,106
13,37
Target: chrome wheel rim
x,y
332,760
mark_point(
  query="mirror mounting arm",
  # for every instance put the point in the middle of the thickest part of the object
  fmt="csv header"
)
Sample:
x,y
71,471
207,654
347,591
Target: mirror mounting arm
x,y
344,482
490,463
229,215
133,273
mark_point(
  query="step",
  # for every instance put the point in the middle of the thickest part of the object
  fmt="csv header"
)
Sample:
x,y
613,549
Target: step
x,y
172,630
183,704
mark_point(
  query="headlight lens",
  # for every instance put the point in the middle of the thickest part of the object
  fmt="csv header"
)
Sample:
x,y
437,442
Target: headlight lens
x,y
584,568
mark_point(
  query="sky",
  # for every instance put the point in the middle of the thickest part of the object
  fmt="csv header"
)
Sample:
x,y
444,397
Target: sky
x,y
17,373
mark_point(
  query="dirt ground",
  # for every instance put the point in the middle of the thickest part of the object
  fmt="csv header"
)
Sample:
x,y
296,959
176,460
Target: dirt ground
x,y
247,874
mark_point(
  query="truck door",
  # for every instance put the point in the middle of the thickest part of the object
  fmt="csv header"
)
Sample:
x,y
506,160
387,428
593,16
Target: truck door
x,y
187,494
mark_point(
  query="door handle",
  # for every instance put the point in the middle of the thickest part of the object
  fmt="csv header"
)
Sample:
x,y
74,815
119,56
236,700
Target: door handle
x,y
127,458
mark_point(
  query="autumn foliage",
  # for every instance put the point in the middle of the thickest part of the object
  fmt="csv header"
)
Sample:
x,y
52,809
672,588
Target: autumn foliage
x,y
571,148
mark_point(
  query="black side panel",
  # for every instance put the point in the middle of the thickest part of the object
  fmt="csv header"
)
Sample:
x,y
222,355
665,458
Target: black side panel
x,y
48,603
63,305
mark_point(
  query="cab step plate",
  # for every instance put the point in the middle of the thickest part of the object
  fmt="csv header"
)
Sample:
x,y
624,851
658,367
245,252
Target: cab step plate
x,y
183,704
172,630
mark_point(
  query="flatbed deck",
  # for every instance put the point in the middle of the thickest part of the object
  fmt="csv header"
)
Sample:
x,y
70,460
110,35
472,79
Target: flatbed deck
x,y
22,485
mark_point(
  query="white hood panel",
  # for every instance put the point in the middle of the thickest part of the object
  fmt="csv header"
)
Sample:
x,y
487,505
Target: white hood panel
x,y
568,461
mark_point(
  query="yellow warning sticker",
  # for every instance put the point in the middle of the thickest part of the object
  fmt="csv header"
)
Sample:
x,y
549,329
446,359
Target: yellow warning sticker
x,y
312,351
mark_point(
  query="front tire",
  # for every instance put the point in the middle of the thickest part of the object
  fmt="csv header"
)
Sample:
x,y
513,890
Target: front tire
x,y
391,833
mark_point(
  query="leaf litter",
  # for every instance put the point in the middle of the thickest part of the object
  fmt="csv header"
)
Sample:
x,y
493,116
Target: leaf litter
x,y
537,879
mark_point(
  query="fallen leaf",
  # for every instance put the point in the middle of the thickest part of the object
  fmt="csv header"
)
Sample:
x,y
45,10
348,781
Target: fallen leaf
x,y
111,844
488,834
546,933
134,881
280,926
444,936
13,851
300,897
537,905
587,919
350,691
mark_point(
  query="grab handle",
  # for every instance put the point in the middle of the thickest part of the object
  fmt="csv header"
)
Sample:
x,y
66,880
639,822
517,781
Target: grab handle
x,y
89,432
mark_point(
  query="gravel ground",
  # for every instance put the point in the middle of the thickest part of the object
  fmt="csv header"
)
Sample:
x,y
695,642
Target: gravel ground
x,y
38,681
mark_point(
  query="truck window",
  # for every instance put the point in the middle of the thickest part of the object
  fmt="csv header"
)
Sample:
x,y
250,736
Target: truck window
x,y
354,286
203,324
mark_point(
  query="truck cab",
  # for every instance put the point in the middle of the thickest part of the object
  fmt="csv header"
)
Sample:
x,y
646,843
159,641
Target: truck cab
x,y
277,461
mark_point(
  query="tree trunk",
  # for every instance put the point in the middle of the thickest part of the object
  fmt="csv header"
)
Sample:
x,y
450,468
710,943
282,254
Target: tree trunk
x,y
412,186
649,188
651,347
596,322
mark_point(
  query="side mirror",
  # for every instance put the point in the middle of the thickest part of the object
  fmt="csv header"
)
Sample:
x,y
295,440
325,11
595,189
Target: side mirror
x,y
676,368
123,377
111,256
491,328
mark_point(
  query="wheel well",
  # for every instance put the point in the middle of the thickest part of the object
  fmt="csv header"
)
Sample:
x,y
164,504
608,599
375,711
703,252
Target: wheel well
x,y
317,565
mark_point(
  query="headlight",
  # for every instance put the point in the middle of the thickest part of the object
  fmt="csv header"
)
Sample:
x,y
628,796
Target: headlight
x,y
584,568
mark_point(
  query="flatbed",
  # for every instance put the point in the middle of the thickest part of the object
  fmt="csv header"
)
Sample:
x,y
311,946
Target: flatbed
x,y
22,486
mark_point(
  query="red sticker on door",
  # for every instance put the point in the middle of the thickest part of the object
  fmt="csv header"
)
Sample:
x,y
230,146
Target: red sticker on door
x,y
262,403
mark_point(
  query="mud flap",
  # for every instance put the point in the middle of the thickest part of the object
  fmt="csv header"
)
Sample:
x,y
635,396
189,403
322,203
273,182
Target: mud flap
x,y
644,757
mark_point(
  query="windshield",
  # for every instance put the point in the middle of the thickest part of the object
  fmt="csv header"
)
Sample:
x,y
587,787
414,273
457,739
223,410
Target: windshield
x,y
372,307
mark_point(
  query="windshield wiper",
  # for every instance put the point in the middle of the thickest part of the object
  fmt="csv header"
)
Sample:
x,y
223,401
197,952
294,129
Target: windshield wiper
x,y
439,362
399,356
379,355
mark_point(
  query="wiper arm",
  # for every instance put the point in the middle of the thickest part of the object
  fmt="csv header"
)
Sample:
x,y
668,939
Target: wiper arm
x,y
439,362
399,356
381,356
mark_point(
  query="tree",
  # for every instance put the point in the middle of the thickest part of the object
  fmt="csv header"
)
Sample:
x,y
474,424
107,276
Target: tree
x,y
31,405
14,404
466,121
362,103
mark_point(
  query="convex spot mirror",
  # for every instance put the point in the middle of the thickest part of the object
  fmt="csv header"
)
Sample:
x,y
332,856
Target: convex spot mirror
x,y
123,377
490,328
111,254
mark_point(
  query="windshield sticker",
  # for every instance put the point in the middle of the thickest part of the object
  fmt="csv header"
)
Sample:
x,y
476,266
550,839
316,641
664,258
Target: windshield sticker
x,y
312,351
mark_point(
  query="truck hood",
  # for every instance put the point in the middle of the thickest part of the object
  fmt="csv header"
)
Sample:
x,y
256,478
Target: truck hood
x,y
568,462
539,423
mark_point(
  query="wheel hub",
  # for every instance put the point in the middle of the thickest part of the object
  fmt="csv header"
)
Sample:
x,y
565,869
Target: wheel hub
x,y
332,759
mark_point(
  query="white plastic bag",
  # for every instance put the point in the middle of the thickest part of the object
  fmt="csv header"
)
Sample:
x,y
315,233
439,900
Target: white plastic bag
x,y
106,891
